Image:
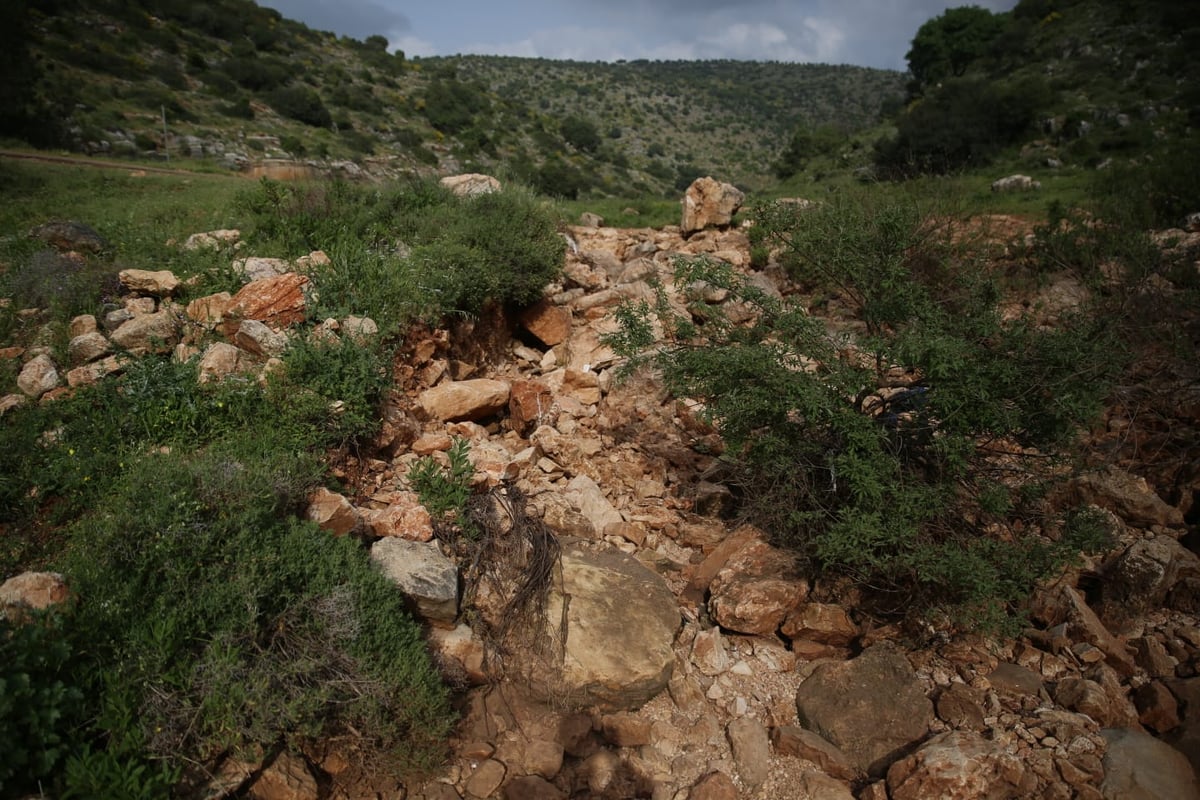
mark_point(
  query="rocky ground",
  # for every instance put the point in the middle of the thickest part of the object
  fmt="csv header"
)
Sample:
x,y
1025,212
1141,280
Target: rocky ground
x,y
679,656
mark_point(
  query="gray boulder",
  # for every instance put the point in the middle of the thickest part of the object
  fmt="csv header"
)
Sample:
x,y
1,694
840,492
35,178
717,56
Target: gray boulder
x,y
872,707
610,625
424,575
1139,767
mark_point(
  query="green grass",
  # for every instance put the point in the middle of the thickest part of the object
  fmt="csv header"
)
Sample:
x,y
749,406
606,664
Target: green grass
x,y
114,201
210,617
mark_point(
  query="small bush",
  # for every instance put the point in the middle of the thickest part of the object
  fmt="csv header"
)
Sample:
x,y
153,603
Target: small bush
x,y
39,703
869,454
66,286
301,104
962,124
334,388
464,252
444,491
258,74
217,621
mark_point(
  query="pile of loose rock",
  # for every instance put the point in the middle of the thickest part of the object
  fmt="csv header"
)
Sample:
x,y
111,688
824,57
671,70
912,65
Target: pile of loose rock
x,y
679,659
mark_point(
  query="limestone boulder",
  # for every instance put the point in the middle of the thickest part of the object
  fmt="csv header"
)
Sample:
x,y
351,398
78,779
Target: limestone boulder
x,y
404,518
586,496
756,589
961,764
1016,183
425,576
257,268
213,240
465,400
550,323
209,310
872,707
288,777
1139,767
333,512
277,301
460,655
89,374
530,403
1126,495
70,235
32,590
148,333
714,786
88,347
621,621
221,360
84,323
10,401
822,623
709,203
751,746
257,338
1152,573
792,740
360,330
470,184
159,283
1062,603
38,376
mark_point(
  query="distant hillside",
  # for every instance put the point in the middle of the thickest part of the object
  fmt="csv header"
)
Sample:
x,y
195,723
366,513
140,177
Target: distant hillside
x,y
1066,82
238,83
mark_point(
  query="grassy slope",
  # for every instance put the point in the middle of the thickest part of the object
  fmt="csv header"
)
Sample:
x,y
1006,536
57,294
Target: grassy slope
x,y
730,118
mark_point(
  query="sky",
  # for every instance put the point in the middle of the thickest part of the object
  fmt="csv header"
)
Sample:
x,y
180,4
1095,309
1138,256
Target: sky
x,y
872,33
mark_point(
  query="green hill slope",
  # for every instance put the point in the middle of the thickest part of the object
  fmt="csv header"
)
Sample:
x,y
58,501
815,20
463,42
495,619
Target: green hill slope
x,y
231,82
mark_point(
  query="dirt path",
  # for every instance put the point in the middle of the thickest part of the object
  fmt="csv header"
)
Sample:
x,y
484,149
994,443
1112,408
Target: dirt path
x,y
97,163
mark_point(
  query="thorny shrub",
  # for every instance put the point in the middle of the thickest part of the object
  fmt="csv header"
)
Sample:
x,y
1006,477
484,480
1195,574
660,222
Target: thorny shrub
x,y
909,452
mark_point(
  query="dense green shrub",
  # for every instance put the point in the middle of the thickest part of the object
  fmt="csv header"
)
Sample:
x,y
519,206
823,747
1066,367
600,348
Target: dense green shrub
x,y
806,143
257,74
501,247
558,178
39,703
66,286
463,252
893,455
581,133
301,104
947,44
356,97
334,388
220,622
451,105
210,617
964,123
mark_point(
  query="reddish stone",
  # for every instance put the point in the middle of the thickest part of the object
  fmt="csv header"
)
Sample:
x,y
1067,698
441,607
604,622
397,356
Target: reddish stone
x,y
821,623
278,302
757,589
550,323
714,786
528,404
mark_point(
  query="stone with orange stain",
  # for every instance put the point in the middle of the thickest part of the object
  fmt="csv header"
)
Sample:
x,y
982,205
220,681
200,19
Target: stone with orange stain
x,y
278,301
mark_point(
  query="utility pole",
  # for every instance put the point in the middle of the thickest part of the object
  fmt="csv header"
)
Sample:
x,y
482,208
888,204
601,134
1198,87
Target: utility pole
x,y
166,147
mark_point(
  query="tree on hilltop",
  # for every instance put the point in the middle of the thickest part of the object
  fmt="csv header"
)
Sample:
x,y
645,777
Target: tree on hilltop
x,y
946,45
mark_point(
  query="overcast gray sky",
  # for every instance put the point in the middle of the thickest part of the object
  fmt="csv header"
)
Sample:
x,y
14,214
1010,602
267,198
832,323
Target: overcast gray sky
x,y
874,33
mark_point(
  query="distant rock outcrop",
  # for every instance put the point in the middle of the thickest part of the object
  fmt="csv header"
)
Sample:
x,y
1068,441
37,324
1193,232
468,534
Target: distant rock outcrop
x,y
709,203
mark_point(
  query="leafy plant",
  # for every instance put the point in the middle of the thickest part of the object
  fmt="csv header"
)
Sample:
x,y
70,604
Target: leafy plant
x,y
868,451
446,490
301,104
39,703
233,624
